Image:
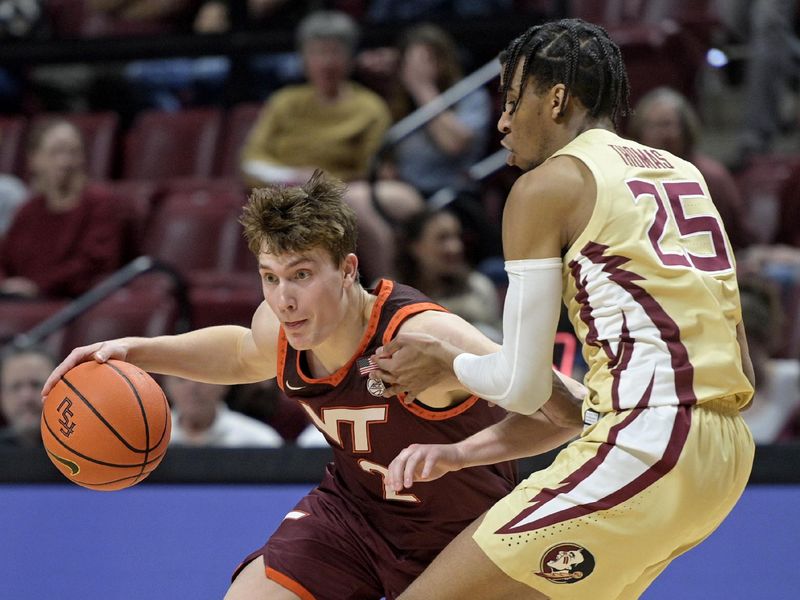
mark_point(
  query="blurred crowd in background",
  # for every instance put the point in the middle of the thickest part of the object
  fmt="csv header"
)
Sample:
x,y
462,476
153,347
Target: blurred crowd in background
x,y
137,127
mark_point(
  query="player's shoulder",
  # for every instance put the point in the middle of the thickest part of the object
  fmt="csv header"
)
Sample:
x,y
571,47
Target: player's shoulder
x,y
556,187
431,321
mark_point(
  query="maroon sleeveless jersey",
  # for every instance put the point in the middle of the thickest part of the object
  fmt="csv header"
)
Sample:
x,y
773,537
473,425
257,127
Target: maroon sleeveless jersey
x,y
368,431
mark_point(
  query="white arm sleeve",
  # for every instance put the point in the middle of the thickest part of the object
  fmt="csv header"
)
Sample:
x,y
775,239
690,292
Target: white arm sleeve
x,y
519,376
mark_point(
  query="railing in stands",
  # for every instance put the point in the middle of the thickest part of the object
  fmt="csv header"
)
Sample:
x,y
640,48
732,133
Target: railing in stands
x,y
119,279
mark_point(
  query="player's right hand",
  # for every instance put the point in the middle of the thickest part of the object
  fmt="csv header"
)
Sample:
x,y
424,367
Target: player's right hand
x,y
99,351
423,462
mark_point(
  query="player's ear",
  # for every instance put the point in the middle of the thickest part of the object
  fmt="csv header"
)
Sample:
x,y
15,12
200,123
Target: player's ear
x,y
558,99
350,269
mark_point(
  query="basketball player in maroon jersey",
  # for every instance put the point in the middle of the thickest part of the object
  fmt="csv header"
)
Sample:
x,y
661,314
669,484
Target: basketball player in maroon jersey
x,y
352,537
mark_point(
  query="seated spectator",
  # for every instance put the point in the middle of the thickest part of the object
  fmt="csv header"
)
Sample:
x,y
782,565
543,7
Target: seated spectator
x,y
664,118
22,376
432,260
439,154
200,417
334,124
67,235
330,122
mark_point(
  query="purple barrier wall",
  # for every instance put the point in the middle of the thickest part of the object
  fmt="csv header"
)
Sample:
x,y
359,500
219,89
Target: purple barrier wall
x,y
173,542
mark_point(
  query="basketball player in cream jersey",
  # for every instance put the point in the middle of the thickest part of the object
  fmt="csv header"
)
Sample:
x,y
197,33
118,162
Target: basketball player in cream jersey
x,y
630,238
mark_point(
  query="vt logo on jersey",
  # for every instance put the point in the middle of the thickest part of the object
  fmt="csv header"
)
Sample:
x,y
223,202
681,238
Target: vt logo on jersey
x,y
566,563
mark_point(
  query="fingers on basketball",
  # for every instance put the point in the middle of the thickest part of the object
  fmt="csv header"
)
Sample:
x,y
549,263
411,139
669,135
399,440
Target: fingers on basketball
x,y
106,426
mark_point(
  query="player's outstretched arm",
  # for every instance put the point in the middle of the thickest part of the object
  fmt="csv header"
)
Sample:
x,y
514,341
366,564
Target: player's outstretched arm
x,y
515,437
225,354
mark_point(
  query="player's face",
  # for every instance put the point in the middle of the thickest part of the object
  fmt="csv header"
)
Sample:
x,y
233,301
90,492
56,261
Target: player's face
x,y
527,124
307,292
565,560
440,249
59,157
23,376
661,127
327,64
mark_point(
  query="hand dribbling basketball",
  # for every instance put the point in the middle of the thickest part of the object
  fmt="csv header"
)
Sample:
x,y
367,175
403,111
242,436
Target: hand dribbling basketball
x,y
105,422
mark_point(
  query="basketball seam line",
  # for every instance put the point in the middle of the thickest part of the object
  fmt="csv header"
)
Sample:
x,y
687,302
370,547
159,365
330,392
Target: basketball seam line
x,y
96,461
103,419
141,408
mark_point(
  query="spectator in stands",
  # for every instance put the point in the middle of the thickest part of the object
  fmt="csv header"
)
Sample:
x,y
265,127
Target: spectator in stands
x,y
335,124
439,154
664,118
330,122
431,259
200,417
22,375
67,235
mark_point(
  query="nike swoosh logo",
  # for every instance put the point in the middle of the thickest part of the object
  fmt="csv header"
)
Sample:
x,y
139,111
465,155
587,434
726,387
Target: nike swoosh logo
x,y
72,466
291,387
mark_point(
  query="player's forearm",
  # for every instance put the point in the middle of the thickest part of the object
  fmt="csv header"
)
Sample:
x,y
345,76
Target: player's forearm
x,y
515,437
210,355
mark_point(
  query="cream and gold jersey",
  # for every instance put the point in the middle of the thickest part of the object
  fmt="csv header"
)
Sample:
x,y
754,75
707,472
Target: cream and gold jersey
x,y
650,284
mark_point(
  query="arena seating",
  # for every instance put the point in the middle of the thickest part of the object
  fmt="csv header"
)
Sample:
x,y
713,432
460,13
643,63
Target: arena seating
x,y
163,144
12,133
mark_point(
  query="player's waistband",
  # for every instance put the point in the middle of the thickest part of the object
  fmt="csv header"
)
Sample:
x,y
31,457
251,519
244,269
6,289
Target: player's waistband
x,y
724,406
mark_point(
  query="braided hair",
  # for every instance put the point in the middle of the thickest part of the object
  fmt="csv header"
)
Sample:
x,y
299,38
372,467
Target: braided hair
x,y
576,53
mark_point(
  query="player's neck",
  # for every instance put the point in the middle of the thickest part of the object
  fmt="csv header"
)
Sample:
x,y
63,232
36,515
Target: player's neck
x,y
337,350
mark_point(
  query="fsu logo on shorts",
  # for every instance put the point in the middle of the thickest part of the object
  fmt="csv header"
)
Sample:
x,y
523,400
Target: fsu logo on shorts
x,y
566,563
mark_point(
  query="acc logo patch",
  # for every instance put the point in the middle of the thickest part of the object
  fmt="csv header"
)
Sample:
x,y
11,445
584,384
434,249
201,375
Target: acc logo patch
x,y
566,563
375,387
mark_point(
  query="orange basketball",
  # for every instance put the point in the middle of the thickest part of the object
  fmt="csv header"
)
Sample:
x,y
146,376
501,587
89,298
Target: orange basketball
x,y
106,426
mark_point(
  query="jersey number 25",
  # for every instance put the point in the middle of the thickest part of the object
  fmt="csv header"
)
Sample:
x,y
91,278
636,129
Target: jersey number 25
x,y
706,224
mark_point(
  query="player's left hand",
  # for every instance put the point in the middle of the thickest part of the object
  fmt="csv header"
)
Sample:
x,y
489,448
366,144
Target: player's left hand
x,y
423,462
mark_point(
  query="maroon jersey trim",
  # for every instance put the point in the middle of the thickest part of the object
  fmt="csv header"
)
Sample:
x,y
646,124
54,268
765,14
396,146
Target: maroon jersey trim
x,y
383,290
415,408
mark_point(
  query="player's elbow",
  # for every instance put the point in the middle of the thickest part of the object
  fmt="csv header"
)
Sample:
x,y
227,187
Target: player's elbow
x,y
527,396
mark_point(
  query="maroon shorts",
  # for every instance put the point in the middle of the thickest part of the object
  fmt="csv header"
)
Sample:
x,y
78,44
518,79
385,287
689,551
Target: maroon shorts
x,y
326,550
